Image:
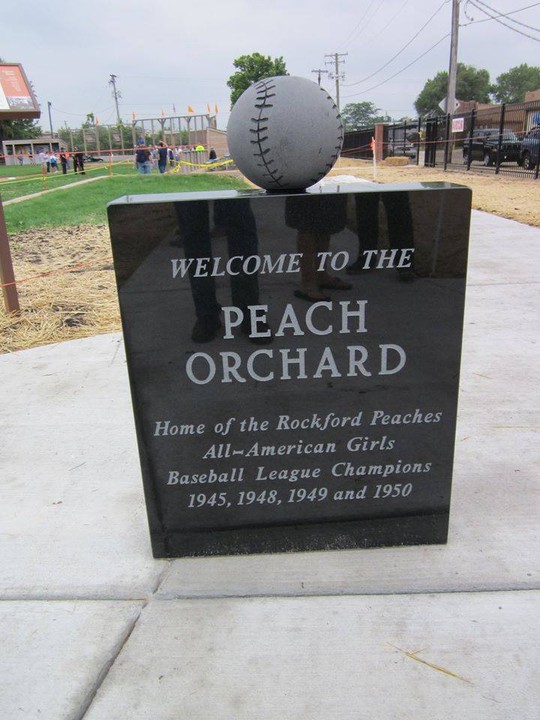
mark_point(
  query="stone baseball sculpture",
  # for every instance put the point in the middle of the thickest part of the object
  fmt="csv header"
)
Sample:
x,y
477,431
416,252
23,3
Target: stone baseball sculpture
x,y
285,133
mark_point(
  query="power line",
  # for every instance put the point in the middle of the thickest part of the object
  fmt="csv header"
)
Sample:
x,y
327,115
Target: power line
x,y
351,34
374,87
512,12
507,15
402,49
384,27
497,19
64,112
153,77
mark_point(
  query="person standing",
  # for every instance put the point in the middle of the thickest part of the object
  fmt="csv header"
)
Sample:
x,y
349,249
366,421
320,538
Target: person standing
x,y
162,157
78,161
63,161
142,160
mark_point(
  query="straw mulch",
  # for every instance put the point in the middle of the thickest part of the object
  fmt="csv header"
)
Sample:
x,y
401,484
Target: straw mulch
x,y
77,296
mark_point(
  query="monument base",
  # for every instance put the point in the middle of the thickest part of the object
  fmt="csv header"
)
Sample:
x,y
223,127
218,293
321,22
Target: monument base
x,y
384,532
294,363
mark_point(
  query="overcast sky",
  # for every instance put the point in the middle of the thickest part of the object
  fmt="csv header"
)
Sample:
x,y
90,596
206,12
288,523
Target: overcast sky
x,y
169,54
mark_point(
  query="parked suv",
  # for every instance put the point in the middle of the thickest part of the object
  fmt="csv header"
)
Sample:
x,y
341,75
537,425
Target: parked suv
x,y
530,147
484,145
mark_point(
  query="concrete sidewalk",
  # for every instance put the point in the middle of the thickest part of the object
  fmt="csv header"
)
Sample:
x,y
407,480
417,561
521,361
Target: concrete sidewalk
x,y
93,627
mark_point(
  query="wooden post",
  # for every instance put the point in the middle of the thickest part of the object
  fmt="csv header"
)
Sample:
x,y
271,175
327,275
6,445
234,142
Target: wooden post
x,y
121,131
379,142
7,276
133,136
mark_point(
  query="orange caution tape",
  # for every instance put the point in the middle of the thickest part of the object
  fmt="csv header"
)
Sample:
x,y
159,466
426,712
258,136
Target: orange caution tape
x,y
69,268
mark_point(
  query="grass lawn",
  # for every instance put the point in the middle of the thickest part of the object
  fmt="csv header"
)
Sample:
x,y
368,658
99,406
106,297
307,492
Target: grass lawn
x,y
24,172
87,203
20,181
9,171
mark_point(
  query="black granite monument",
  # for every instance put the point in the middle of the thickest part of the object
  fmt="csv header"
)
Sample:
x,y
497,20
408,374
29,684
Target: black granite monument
x,y
294,363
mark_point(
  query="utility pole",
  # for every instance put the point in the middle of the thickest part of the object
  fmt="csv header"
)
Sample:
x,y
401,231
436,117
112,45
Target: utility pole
x,y
319,73
452,70
336,74
50,120
116,94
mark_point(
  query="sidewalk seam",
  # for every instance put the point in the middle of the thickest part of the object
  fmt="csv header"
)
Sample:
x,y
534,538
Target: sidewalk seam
x,y
288,596
104,672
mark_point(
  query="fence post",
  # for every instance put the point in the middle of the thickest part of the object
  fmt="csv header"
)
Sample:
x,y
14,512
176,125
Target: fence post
x,y
428,146
7,276
447,141
435,141
499,142
418,132
471,130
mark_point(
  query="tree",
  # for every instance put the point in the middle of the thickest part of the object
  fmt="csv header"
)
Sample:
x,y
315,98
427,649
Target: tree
x,y
19,129
250,68
472,84
511,86
361,115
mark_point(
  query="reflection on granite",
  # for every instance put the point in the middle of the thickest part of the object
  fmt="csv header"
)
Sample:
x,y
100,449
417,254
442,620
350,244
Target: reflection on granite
x,y
294,364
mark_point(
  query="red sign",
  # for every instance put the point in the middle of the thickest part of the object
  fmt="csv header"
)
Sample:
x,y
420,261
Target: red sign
x,y
17,101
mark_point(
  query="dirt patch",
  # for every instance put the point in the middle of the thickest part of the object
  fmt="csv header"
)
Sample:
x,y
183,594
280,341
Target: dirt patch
x,y
66,282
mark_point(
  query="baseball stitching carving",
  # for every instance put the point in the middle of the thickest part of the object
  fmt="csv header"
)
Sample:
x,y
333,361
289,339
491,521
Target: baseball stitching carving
x,y
263,95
